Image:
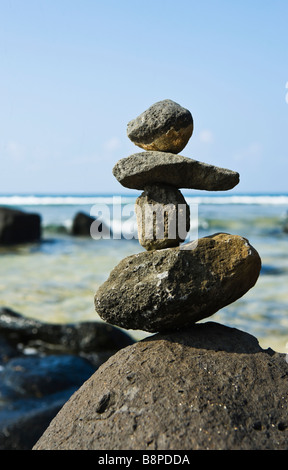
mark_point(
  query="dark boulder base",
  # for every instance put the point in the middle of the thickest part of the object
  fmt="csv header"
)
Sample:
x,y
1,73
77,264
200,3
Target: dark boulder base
x,y
41,366
18,227
209,387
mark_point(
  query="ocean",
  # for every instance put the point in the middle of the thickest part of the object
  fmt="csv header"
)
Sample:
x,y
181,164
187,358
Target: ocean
x,y
55,280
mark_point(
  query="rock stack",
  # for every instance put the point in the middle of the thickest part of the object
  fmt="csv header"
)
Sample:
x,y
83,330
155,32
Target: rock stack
x,y
162,212
192,386
171,286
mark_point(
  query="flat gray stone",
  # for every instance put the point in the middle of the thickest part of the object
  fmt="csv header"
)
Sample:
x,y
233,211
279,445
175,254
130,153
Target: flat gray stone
x,y
209,387
144,168
173,288
165,126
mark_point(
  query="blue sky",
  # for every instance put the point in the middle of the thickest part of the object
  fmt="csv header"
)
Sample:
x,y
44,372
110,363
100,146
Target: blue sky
x,y
73,73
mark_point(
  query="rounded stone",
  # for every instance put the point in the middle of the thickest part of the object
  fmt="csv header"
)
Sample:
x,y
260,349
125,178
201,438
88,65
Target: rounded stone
x,y
165,126
163,217
173,288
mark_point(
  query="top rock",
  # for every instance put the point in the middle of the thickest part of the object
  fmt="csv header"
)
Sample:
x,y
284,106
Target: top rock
x,y
164,127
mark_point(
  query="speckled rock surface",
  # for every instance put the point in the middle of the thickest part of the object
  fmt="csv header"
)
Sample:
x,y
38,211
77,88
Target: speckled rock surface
x,y
165,126
172,288
208,387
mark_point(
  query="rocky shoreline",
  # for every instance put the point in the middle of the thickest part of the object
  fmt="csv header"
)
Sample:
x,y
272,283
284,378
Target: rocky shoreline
x,y
41,366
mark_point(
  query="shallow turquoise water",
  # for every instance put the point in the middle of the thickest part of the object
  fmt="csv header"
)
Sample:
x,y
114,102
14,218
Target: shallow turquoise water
x,y
56,280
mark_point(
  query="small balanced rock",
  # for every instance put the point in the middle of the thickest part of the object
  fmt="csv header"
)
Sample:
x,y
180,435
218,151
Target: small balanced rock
x,y
165,126
163,217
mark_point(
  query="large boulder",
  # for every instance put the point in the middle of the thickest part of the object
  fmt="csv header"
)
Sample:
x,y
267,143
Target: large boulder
x,y
18,227
175,287
209,387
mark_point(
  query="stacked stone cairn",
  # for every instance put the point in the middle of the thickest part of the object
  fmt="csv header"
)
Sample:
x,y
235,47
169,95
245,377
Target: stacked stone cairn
x,y
190,386
172,285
